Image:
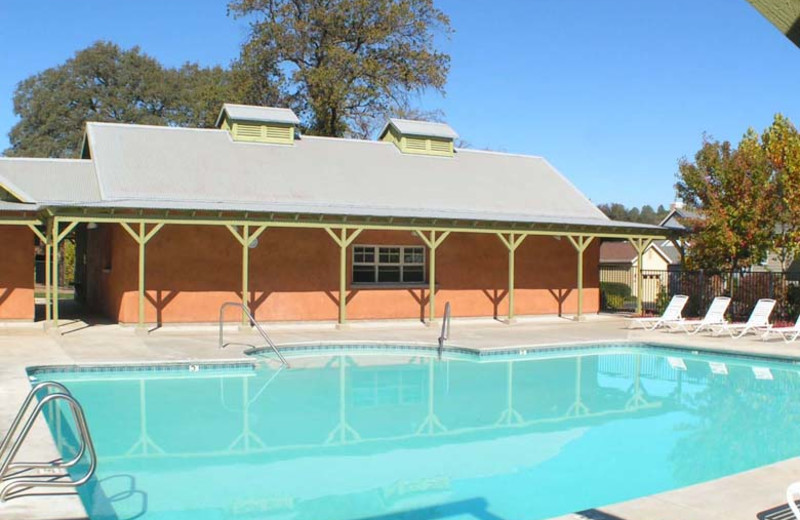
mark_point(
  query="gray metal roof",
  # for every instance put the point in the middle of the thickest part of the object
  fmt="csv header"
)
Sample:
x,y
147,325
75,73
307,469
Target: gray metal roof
x,y
192,168
152,167
50,180
16,207
255,113
421,128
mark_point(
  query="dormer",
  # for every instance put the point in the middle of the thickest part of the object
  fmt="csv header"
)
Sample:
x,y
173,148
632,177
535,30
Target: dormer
x,y
258,124
420,137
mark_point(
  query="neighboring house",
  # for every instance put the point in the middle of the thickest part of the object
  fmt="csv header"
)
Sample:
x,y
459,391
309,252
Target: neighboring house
x,y
173,222
619,263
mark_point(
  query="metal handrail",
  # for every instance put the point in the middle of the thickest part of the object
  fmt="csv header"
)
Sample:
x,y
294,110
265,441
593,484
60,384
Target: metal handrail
x,y
445,328
253,322
20,481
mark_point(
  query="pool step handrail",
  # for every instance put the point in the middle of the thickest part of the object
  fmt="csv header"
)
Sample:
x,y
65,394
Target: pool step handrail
x,y
14,476
253,322
445,329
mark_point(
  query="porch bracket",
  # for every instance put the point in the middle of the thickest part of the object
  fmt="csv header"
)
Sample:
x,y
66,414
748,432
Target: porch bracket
x,y
44,237
57,235
512,242
640,244
580,243
343,240
432,242
246,239
141,237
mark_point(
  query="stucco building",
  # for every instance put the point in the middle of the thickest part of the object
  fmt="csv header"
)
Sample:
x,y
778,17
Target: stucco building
x,y
172,222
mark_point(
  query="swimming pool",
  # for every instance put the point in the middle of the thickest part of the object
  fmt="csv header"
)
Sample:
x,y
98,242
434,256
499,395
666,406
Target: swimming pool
x,y
360,434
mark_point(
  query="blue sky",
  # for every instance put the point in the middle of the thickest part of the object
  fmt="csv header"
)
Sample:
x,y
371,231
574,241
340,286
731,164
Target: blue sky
x,y
611,92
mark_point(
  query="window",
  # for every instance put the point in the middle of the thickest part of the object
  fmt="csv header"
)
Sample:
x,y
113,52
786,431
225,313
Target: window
x,y
388,264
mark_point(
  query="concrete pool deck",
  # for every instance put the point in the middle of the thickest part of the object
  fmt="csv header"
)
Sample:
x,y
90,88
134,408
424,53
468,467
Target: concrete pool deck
x,y
741,496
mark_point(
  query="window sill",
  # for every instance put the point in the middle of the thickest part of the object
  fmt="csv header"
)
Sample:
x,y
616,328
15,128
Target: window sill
x,y
389,285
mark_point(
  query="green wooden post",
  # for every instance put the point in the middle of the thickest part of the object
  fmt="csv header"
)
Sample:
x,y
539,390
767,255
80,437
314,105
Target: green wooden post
x,y
640,245
432,242
512,243
580,243
246,239
141,241
343,241
58,236
245,272
54,274
44,238
141,237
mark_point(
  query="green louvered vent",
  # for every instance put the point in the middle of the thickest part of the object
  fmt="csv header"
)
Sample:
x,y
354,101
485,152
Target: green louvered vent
x,y
248,131
441,146
257,132
418,143
414,143
281,133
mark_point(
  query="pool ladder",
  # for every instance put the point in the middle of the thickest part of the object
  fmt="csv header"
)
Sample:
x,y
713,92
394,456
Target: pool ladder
x,y
254,323
445,329
18,477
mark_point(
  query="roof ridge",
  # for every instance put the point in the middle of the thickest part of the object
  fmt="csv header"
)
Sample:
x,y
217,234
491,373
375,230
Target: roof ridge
x,y
159,127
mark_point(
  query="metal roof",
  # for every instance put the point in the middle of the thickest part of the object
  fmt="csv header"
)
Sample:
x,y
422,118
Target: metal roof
x,y
261,114
50,180
420,128
16,207
193,167
152,167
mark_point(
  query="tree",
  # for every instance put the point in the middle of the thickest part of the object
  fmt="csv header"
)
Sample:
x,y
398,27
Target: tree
x,y
340,64
648,214
781,142
734,190
106,83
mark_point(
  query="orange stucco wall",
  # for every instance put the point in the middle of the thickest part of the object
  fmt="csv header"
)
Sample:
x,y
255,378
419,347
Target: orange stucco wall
x,y
16,273
192,270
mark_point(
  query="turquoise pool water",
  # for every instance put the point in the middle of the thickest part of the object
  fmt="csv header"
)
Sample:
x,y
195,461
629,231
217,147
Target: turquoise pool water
x,y
349,435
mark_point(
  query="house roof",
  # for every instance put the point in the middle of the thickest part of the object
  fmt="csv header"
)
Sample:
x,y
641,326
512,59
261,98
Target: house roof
x,y
256,113
420,128
617,253
625,253
670,251
153,167
676,215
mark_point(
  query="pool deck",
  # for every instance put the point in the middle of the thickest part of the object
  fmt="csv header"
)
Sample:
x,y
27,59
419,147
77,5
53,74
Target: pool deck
x,y
741,496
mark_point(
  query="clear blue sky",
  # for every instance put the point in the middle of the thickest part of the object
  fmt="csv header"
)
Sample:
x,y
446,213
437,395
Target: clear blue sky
x,y
612,92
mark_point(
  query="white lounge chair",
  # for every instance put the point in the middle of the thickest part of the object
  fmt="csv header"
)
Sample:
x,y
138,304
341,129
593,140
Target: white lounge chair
x,y
758,321
792,491
788,334
671,314
714,316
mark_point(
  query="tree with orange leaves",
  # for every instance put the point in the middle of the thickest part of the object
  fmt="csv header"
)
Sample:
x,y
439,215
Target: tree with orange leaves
x,y
735,191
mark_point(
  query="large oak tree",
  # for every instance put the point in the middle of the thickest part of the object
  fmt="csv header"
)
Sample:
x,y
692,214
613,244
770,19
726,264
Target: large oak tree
x,y
342,65
106,83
